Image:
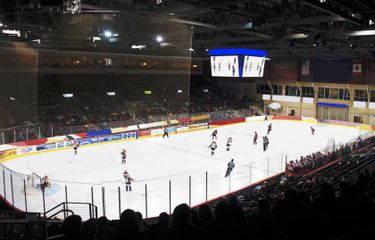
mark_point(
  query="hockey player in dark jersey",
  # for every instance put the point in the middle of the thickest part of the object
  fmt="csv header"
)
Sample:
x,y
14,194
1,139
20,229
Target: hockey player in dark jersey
x,y
265,143
213,147
214,134
229,143
255,138
312,130
269,128
123,156
229,168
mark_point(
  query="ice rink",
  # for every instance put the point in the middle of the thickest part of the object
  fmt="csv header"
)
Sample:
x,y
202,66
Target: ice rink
x,y
158,161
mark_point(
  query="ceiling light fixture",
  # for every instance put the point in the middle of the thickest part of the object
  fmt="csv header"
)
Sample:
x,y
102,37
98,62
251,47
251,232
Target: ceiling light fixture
x,y
362,33
108,34
159,38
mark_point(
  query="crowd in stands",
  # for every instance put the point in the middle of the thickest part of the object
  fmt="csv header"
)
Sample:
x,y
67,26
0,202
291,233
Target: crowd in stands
x,y
208,97
315,160
59,116
320,206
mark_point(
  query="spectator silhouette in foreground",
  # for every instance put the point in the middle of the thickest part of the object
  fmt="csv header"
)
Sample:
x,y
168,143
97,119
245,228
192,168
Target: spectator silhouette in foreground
x,y
104,231
206,223
128,227
72,228
89,229
162,225
225,227
181,225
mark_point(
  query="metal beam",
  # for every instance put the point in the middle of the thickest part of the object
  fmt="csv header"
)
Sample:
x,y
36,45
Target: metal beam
x,y
326,8
305,21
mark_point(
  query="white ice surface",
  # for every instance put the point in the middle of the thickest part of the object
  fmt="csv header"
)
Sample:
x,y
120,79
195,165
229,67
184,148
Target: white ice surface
x,y
156,161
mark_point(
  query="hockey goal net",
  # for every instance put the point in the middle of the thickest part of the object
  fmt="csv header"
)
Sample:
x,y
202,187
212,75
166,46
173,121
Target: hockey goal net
x,y
33,184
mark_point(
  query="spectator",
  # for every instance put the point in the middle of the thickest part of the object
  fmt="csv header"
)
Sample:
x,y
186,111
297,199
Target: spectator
x,y
161,226
181,225
237,211
225,226
72,228
89,229
144,227
128,227
206,222
104,231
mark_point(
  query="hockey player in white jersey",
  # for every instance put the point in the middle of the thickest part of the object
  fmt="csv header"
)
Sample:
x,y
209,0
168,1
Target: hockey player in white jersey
x,y
213,147
229,143
128,181
75,146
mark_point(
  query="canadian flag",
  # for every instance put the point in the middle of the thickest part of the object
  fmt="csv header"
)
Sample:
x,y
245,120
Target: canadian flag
x,y
357,68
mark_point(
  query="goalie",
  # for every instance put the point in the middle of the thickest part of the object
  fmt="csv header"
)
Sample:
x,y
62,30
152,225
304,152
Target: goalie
x,y
45,183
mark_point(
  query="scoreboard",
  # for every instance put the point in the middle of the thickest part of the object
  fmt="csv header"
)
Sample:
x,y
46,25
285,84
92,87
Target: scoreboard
x,y
237,62
224,66
253,66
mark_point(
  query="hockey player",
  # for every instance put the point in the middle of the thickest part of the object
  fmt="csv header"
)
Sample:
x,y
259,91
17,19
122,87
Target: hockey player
x,y
165,132
229,142
269,128
128,181
265,143
75,146
255,138
45,183
312,130
214,134
123,156
213,147
229,168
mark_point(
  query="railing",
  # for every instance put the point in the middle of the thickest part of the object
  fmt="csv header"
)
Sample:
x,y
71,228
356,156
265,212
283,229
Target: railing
x,y
62,210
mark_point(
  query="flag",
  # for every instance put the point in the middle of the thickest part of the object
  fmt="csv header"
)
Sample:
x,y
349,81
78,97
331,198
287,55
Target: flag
x,y
305,70
357,68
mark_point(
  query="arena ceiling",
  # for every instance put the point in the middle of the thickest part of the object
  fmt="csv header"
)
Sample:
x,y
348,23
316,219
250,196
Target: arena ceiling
x,y
284,28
